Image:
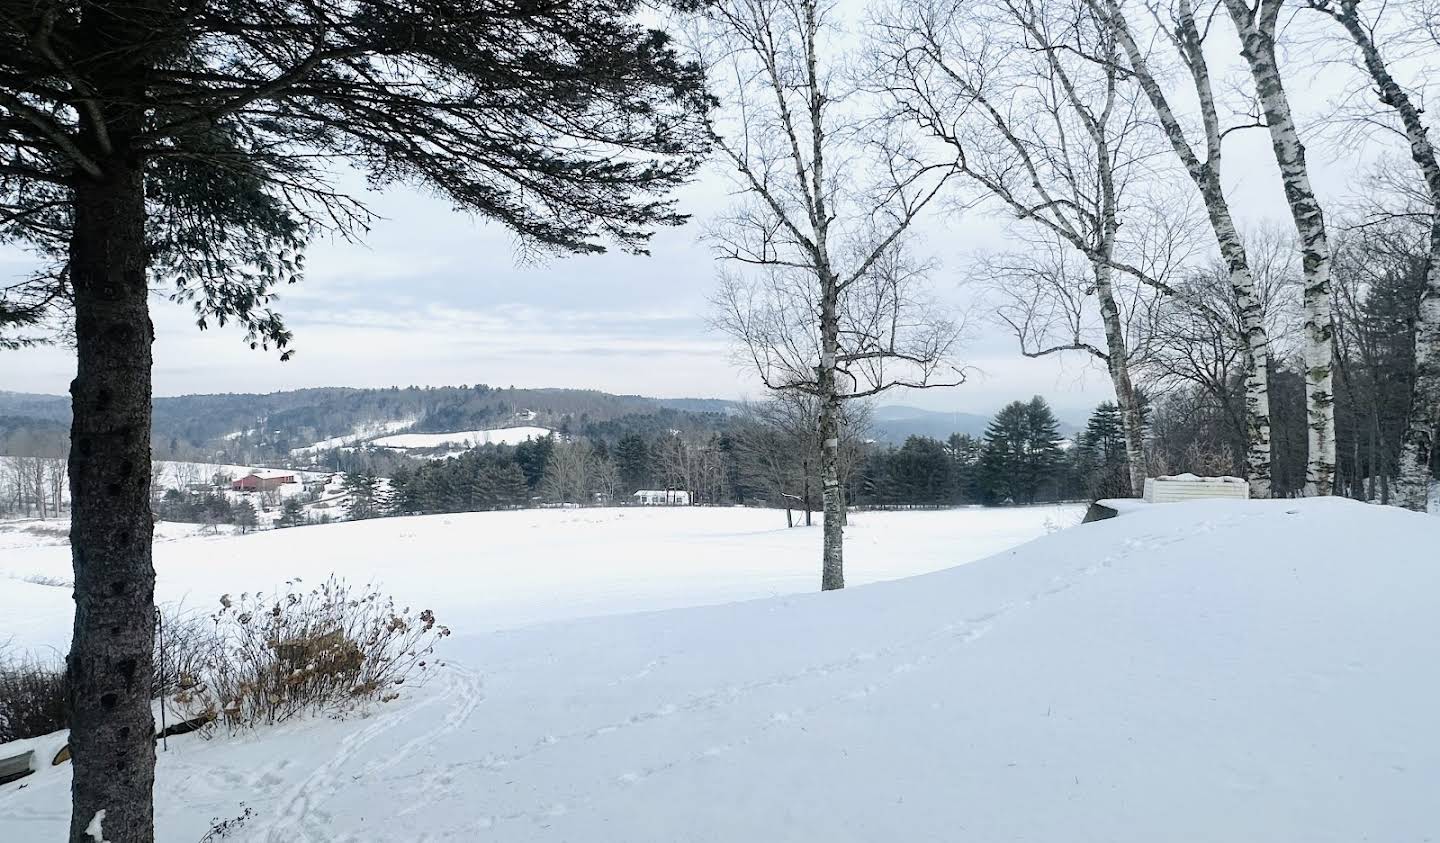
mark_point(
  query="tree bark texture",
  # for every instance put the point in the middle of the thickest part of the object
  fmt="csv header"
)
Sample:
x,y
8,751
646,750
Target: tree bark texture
x,y
1206,176
1257,39
833,563
1117,362
109,666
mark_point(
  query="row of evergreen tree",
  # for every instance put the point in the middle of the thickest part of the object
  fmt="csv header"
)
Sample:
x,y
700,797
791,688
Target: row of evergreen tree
x,y
1021,459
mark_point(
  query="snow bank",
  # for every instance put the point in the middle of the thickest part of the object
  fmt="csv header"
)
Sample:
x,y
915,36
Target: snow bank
x,y
1204,671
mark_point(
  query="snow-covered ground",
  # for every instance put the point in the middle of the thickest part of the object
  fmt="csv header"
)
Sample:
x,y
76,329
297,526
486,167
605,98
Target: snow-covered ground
x,y
463,438
24,533
361,433
488,570
1205,671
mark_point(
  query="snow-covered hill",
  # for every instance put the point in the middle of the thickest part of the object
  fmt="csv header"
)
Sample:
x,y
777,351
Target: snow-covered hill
x,y
1207,671
359,434
463,438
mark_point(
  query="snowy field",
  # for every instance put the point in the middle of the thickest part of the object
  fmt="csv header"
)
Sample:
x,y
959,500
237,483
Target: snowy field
x,y
359,434
488,570
463,438
1207,671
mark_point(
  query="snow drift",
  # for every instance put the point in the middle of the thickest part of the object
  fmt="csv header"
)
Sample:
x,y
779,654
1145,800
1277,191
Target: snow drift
x,y
1212,670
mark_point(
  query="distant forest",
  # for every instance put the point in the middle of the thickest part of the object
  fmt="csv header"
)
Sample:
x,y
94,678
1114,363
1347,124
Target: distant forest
x,y
264,428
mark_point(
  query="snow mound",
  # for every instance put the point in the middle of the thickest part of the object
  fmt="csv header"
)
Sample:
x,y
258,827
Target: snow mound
x,y
1207,671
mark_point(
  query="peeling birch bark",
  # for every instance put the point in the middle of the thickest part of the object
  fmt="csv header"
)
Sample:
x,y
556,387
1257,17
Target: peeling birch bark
x,y
1206,175
1257,39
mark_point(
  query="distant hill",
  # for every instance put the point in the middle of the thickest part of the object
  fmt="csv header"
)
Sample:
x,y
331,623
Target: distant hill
x,y
255,428
894,423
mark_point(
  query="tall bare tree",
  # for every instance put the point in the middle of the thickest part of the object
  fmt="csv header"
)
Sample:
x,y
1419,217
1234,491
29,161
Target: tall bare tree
x,y
1029,98
1256,25
819,293
1178,24
1200,338
1418,448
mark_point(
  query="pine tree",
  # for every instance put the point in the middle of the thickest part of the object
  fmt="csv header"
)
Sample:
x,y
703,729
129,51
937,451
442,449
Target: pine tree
x,y
1100,457
245,517
360,489
196,146
292,514
1043,457
632,460
964,451
512,489
533,456
1002,466
921,470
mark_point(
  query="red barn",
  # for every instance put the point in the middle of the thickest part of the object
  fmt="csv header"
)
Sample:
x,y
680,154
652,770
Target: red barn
x,y
262,480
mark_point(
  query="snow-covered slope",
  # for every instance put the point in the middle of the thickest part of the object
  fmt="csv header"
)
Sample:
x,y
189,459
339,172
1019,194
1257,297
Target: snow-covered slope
x,y
1205,671
360,434
487,570
464,438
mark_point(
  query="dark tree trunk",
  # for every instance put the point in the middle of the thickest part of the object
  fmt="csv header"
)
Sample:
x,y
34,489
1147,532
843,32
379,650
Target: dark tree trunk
x,y
109,666
805,471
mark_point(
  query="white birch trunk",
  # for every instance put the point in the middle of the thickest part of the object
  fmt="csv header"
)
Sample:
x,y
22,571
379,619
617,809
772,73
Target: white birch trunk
x,y
1257,39
1206,176
1417,447
1118,363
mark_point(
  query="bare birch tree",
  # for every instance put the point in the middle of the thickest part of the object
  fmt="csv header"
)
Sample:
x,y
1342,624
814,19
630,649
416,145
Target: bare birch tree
x,y
1028,97
818,293
1256,26
1418,445
1180,28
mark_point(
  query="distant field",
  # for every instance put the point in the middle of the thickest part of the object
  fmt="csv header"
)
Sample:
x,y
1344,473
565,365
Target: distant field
x,y
464,438
490,570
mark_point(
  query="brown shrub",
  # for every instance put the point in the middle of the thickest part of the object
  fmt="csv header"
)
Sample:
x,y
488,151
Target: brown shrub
x,y
325,650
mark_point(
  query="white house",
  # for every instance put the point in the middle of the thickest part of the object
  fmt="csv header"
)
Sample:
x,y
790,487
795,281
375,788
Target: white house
x,y
662,497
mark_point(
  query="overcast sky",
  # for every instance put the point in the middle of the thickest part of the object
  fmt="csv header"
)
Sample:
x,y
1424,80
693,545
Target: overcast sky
x,y
435,297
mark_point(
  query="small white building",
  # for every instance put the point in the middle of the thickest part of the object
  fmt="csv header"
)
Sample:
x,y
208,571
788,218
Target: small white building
x,y
1188,487
662,497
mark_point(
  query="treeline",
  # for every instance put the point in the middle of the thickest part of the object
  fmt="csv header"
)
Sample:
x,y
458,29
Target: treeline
x,y
1021,459
34,478
213,509
767,457
1197,423
550,470
264,428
